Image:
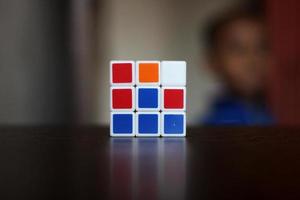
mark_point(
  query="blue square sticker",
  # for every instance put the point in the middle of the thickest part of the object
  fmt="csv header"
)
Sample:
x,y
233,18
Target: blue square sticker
x,y
148,123
173,123
148,98
122,123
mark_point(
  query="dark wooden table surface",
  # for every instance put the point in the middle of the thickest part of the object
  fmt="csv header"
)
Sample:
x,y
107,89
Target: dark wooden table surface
x,y
211,163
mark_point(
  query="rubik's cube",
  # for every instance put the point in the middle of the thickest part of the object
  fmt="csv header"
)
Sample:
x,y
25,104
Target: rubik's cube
x,y
148,98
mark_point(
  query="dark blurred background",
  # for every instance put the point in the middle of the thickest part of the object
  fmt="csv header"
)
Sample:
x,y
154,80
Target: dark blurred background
x,y
54,55
36,74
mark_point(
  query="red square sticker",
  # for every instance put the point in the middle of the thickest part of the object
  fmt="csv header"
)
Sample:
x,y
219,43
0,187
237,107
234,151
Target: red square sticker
x,y
122,98
174,98
122,72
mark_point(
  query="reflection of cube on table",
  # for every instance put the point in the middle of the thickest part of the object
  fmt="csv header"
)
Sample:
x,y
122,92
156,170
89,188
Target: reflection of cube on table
x,y
148,98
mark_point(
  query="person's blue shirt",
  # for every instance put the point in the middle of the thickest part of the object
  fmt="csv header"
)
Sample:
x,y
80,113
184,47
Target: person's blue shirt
x,y
229,110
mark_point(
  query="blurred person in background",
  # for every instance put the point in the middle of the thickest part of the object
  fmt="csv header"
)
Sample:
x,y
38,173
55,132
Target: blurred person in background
x,y
238,53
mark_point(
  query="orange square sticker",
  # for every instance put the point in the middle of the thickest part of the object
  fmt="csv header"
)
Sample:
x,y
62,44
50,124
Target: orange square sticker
x,y
148,72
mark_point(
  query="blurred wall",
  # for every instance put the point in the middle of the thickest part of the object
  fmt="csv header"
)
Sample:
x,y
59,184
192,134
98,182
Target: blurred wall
x,y
157,30
37,78
34,62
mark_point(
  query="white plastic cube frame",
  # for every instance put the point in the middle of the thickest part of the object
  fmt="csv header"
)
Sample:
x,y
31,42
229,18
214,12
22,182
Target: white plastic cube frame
x,y
137,98
137,73
112,134
173,109
173,134
173,73
147,134
132,99
133,72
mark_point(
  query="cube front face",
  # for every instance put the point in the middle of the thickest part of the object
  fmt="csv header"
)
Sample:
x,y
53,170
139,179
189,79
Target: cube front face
x,y
173,73
148,124
173,124
148,98
122,124
122,73
122,98
148,72
173,98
